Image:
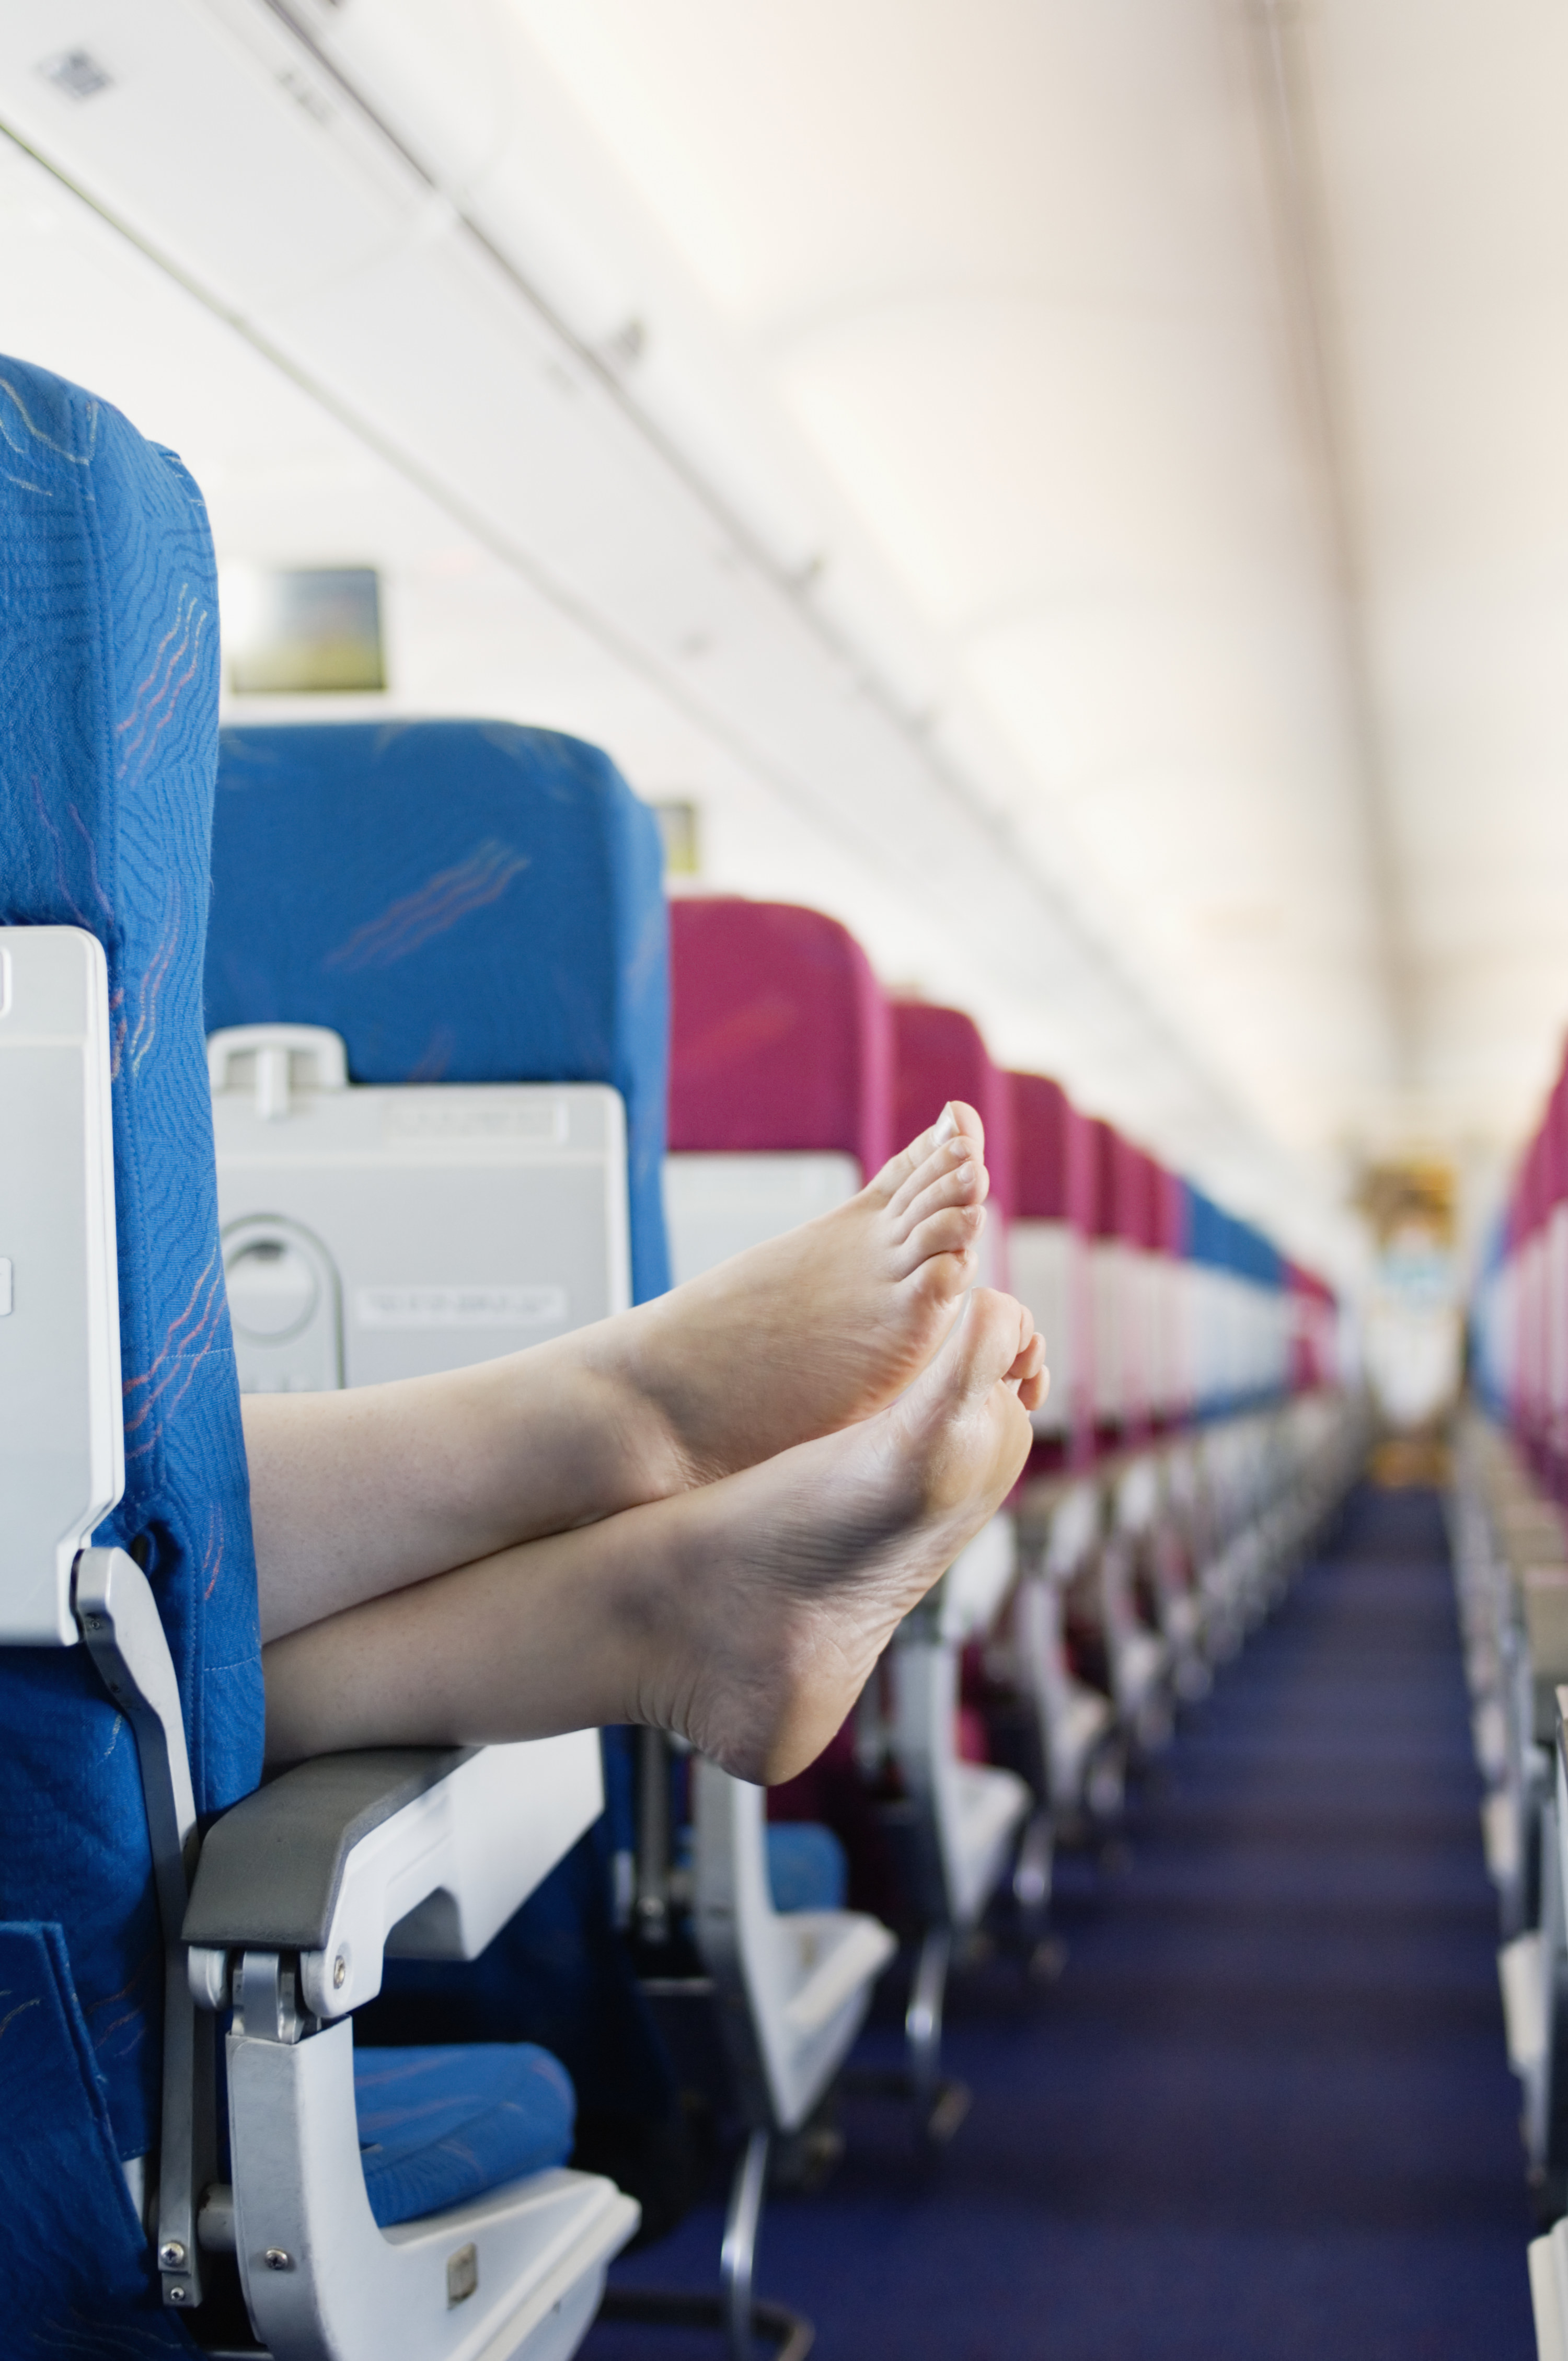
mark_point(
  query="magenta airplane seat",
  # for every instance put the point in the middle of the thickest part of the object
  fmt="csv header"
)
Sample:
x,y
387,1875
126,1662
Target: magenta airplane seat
x,y
940,1054
1299,1288
1171,1378
1052,1173
1311,1352
1134,1196
1556,1261
1053,1207
1103,1195
1175,1215
780,1037
1120,1229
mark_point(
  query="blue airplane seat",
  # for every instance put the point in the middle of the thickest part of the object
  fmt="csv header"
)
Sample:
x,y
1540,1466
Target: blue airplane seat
x,y
379,878
108,654
475,902
108,623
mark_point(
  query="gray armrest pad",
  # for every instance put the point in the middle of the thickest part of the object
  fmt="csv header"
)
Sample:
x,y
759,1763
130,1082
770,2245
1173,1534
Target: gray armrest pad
x,y
270,1869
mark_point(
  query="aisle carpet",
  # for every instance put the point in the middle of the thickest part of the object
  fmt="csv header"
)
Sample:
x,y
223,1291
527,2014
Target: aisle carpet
x,y
1265,2114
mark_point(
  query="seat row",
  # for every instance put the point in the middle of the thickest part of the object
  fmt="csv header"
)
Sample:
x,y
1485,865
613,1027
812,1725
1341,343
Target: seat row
x,y
1509,1541
1509,1538
1052,1655
402,1108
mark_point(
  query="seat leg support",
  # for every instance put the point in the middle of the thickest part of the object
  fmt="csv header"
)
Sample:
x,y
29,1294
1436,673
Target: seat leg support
x,y
1032,1876
738,2256
923,2017
744,2321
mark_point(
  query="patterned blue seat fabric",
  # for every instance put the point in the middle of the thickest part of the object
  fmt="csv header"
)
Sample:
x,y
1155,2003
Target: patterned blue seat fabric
x,y
109,714
440,2125
108,749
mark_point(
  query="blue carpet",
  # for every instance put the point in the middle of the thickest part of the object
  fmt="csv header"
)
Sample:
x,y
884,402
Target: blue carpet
x,y
1265,2115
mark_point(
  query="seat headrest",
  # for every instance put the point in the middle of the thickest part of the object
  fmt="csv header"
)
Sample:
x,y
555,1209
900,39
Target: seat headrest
x,y
1175,1214
940,1055
463,901
1052,1173
1111,1196
781,1039
109,744
1141,1180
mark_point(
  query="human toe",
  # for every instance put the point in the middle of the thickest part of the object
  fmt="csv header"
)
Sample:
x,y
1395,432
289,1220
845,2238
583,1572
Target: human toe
x,y
1029,1373
955,1177
958,1119
995,1339
951,1173
951,1230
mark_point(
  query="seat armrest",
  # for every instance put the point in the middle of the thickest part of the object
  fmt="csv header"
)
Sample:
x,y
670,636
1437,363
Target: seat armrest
x,y
412,1851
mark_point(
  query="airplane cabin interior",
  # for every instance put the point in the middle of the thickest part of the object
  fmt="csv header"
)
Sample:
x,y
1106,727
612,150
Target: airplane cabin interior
x,y
783,1181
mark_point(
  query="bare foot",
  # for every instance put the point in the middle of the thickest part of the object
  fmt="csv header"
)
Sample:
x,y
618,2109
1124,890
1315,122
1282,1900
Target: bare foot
x,y
359,1494
827,1325
814,1558
746,1613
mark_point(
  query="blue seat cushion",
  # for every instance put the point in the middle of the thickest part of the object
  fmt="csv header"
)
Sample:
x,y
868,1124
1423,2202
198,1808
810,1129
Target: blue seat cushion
x,y
807,1867
63,2196
438,2126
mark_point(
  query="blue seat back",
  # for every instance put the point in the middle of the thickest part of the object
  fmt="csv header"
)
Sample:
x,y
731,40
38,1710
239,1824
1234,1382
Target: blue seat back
x,y
463,901
108,695
472,902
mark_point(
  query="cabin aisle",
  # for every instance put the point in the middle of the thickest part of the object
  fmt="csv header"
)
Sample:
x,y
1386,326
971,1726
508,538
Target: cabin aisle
x,y
1266,2113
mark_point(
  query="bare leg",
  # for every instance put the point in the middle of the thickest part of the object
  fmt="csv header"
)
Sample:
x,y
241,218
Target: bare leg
x,y
745,1614
356,1494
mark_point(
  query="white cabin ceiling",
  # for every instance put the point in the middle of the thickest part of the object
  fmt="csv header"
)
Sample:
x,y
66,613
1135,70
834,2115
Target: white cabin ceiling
x,y
1016,270
1179,472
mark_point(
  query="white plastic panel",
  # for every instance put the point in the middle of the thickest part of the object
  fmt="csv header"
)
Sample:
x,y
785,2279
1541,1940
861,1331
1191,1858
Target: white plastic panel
x,y
715,1206
1549,2293
61,1429
372,1233
976,1810
1049,1277
1137,1494
535,2248
1171,1388
1075,1528
804,1976
979,1579
443,1876
1108,1295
